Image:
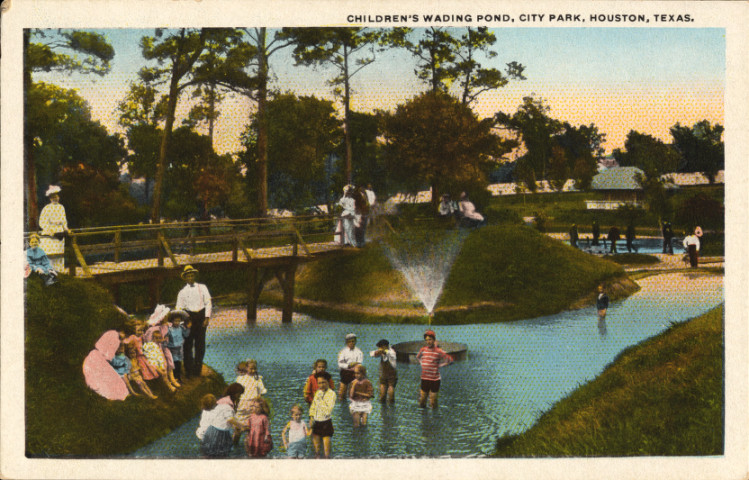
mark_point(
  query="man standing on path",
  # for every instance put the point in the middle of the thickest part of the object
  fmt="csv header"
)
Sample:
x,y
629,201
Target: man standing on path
x,y
596,233
195,299
613,237
668,234
432,358
573,235
602,302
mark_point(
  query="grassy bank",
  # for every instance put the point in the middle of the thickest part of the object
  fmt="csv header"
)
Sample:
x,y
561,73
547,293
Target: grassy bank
x,y
502,273
664,396
63,416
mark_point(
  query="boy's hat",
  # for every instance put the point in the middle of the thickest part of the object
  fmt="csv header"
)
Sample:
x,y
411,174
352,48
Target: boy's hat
x,y
383,343
158,314
179,313
350,336
430,333
52,189
188,269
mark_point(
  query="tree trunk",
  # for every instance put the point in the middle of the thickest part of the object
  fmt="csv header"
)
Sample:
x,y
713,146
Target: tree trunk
x,y
347,118
172,106
32,206
262,125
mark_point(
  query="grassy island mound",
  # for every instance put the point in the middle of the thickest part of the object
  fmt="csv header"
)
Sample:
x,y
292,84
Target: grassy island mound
x,y
64,418
501,273
664,396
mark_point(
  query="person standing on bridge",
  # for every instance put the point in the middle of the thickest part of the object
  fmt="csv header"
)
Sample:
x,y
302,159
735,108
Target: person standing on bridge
x,y
195,299
54,226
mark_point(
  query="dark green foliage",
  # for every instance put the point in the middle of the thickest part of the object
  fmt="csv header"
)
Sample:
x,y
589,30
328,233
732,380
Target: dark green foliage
x,y
63,322
664,396
700,210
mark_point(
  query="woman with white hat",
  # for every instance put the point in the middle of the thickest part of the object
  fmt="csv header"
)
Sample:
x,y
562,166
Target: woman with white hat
x,y
54,224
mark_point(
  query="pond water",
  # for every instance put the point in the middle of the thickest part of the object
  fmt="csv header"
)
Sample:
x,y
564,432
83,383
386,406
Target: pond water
x,y
646,245
514,371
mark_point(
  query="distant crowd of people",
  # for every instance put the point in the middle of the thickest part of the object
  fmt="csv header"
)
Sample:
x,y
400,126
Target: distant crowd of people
x,y
464,211
358,209
691,242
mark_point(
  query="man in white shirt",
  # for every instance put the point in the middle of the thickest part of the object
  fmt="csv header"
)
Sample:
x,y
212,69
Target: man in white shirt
x,y
692,246
195,299
348,358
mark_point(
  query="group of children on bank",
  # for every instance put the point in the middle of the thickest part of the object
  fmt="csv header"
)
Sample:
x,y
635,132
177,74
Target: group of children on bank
x,y
170,346
242,407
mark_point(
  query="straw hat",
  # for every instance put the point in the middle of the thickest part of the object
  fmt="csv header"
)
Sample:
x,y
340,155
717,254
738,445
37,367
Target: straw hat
x,y
188,269
52,189
350,336
158,314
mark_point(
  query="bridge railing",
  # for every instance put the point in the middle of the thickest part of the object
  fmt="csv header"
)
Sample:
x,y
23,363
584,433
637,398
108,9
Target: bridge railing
x,y
164,241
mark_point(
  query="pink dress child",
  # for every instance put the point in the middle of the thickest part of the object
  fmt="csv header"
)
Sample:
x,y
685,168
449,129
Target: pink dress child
x,y
146,369
100,376
256,444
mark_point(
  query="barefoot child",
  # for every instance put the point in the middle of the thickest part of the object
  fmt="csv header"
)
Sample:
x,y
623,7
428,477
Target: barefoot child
x,y
155,356
122,365
432,358
135,375
217,422
361,393
347,359
388,373
296,443
258,443
179,330
136,328
320,412
321,365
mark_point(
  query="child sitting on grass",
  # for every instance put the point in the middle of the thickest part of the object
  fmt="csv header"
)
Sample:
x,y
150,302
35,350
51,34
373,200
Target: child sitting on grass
x,y
296,443
155,356
258,443
310,387
134,375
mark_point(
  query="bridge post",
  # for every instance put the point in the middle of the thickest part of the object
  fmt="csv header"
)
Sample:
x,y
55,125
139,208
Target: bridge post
x,y
288,292
251,298
154,290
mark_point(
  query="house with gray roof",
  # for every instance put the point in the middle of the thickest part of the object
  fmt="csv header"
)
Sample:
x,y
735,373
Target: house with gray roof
x,y
620,186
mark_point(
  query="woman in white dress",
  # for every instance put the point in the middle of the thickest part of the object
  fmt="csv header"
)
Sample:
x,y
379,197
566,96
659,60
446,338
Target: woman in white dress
x,y
53,224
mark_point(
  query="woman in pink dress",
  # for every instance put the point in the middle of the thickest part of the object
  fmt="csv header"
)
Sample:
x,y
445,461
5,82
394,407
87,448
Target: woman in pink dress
x,y
100,376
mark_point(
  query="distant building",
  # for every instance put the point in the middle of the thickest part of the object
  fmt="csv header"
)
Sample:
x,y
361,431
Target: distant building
x,y
620,186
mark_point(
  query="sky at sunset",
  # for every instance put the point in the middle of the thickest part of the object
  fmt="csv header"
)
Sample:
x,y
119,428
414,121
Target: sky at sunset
x,y
620,79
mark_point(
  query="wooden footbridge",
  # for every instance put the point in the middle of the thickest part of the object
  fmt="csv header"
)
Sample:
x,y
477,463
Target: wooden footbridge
x,y
267,247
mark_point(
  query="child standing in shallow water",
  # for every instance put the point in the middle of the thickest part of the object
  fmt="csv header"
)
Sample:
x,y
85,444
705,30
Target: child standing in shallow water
x,y
321,365
248,377
296,444
258,443
360,392
320,412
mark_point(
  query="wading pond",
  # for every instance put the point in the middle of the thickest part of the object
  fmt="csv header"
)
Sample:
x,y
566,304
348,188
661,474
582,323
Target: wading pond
x,y
514,371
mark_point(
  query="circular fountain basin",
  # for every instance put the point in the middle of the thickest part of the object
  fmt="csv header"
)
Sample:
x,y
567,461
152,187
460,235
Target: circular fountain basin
x,y
406,351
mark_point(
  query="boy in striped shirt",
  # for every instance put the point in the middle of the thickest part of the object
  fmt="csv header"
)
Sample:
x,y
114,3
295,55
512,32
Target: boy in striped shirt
x,y
431,358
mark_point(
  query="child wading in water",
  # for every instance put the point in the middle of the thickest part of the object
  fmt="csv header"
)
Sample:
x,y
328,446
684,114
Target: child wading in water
x,y
347,359
388,373
321,365
432,358
258,443
253,388
361,393
296,443
217,422
320,412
